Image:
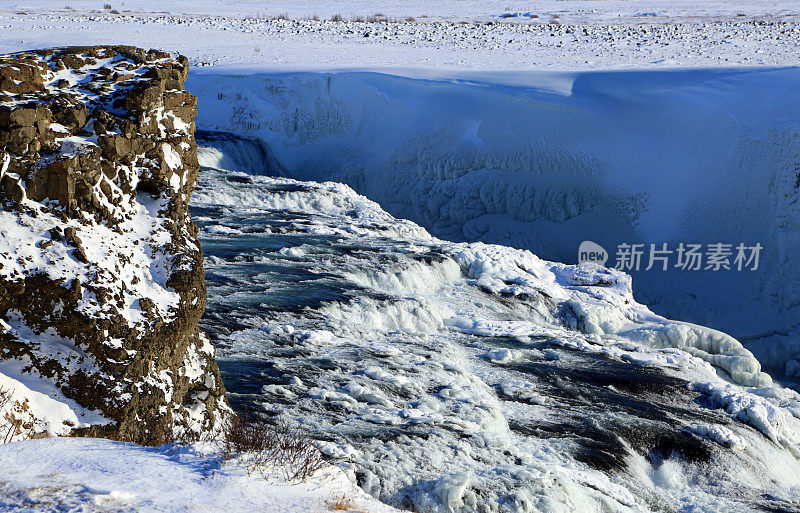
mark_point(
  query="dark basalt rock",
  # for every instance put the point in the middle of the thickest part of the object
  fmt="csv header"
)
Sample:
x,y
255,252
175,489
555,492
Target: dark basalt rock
x,y
98,164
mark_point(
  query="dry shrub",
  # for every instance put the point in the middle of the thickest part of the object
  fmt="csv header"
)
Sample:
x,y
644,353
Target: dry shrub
x,y
337,17
178,435
342,503
13,426
377,18
268,448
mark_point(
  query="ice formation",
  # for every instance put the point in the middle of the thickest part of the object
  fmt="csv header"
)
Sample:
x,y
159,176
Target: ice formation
x,y
470,377
688,156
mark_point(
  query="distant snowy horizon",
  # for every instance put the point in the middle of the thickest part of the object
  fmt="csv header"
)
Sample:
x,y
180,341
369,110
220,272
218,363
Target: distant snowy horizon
x,y
573,35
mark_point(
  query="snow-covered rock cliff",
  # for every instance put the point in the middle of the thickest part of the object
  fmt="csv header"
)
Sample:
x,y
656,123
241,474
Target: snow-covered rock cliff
x,y
101,276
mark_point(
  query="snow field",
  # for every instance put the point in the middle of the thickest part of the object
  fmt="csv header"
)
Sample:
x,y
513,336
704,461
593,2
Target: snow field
x,y
575,35
95,475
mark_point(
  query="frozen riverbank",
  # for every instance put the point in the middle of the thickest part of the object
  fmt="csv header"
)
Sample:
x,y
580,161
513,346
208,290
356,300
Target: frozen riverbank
x,y
103,476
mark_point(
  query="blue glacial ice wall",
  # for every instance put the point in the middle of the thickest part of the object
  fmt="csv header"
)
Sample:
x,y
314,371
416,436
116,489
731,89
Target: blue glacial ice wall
x,y
543,161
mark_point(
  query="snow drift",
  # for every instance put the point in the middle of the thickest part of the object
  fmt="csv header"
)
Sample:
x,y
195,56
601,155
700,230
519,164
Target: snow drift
x,y
544,161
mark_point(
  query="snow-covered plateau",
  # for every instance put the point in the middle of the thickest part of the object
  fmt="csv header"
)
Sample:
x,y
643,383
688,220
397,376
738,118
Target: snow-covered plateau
x,y
391,202
431,35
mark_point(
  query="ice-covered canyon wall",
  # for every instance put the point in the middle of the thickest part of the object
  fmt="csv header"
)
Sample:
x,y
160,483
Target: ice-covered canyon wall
x,y
544,161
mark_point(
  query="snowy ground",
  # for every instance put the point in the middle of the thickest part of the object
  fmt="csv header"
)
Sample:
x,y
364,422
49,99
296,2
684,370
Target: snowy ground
x,y
607,11
568,35
91,475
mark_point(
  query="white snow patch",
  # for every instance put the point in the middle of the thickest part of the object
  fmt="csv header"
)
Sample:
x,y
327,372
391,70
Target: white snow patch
x,y
97,475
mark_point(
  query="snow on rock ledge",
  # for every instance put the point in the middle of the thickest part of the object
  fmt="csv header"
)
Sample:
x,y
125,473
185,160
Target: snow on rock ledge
x,y
101,276
597,301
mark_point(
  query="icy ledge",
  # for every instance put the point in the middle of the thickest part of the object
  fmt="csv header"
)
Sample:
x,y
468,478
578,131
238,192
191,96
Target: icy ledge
x,y
599,301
